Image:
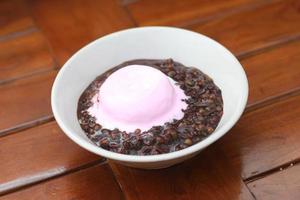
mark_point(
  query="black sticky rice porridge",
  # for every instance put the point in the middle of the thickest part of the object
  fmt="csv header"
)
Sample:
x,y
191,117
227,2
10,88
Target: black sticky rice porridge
x,y
201,117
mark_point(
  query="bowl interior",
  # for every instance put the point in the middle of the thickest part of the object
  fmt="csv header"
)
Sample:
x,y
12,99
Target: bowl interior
x,y
187,47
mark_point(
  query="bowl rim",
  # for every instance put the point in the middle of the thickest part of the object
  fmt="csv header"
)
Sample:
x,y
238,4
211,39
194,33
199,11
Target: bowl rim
x,y
150,158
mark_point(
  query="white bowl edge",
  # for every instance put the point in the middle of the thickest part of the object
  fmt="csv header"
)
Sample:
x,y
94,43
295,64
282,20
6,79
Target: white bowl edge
x,y
151,158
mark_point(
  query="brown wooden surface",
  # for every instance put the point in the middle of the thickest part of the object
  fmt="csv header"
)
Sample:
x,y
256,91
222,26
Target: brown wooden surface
x,y
14,17
207,176
24,55
93,183
254,29
39,162
281,185
266,138
273,72
25,100
84,21
178,12
37,154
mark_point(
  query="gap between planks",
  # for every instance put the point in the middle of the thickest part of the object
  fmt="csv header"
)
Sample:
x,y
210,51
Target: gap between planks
x,y
129,15
23,184
251,193
37,72
19,33
268,47
49,46
26,125
25,32
201,20
272,171
117,180
225,13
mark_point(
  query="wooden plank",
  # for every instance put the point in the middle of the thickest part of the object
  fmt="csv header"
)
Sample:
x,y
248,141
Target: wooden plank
x,y
255,29
266,138
70,24
25,100
14,17
273,72
24,55
93,183
178,12
281,185
125,2
207,176
37,154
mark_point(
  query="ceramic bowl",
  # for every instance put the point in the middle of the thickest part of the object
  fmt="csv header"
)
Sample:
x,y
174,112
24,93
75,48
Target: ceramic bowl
x,y
186,47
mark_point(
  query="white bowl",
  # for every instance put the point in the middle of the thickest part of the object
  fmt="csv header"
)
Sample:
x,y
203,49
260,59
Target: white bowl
x,y
189,48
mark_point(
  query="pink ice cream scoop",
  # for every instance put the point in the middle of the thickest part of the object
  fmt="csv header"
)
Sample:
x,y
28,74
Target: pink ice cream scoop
x,y
137,96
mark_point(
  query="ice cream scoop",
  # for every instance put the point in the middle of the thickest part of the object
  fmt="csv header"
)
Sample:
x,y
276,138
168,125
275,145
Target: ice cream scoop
x,y
137,96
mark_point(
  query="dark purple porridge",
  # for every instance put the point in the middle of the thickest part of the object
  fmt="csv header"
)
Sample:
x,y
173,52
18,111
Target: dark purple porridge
x,y
201,117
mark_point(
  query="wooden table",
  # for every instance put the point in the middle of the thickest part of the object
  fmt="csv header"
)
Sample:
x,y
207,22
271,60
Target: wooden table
x,y
258,159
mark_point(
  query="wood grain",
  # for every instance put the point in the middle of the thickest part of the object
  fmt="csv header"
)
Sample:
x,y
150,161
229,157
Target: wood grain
x,y
81,20
38,153
207,176
257,28
25,100
265,139
24,55
178,12
93,183
273,72
281,185
14,17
